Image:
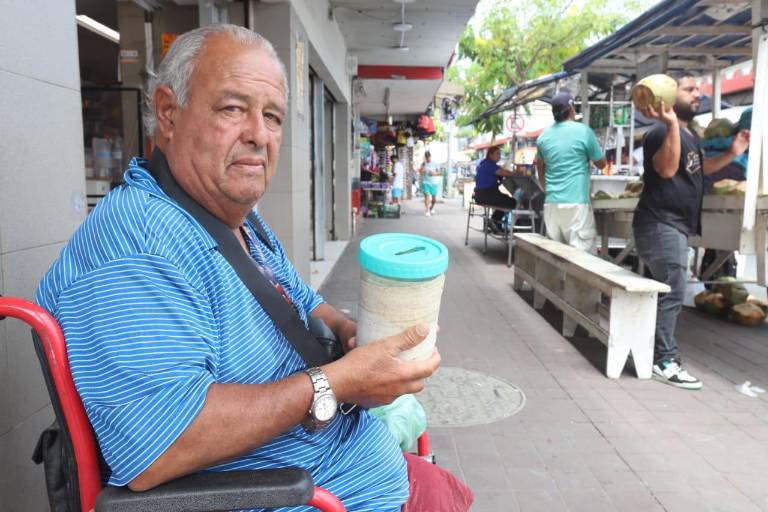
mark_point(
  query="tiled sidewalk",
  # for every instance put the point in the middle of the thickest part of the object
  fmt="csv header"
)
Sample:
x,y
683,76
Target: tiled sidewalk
x,y
583,441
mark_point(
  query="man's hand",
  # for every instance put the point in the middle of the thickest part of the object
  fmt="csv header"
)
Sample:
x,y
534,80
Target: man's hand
x,y
347,334
372,375
740,143
665,114
344,328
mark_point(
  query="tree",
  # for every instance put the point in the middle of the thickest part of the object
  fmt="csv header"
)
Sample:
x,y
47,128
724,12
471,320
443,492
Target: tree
x,y
519,40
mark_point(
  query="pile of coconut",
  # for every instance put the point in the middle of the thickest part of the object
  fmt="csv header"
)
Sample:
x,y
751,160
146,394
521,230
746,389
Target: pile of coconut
x,y
732,300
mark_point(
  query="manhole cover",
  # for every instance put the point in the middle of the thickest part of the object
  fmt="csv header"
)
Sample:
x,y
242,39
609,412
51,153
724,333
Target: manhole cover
x,y
455,397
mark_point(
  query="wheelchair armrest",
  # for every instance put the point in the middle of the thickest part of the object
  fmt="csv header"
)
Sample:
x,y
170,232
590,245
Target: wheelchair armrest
x,y
205,492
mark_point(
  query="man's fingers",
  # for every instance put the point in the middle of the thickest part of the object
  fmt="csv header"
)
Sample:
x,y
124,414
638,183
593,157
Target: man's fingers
x,y
411,336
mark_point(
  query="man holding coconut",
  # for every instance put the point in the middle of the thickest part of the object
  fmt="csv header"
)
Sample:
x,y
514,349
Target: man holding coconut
x,y
669,210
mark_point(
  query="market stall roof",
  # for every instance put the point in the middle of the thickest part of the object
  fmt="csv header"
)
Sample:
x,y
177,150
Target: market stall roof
x,y
523,93
532,134
688,34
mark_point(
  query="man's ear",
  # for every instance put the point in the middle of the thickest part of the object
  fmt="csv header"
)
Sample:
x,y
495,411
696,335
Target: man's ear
x,y
166,110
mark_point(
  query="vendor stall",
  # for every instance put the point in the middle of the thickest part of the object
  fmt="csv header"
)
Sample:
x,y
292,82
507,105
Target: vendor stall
x,y
707,36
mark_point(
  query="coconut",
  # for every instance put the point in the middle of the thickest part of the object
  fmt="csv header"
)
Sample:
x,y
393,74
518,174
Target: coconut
x,y
701,298
715,304
601,194
747,314
733,292
759,303
652,89
724,187
634,186
718,128
741,188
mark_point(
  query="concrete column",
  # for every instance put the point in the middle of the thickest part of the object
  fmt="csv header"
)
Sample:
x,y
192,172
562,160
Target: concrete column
x,y
212,11
345,171
285,206
42,201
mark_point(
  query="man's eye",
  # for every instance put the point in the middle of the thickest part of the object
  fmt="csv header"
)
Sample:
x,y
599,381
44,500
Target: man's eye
x,y
232,108
273,118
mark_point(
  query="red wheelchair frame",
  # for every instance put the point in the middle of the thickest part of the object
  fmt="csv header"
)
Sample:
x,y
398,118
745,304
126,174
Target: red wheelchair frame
x,y
94,496
220,491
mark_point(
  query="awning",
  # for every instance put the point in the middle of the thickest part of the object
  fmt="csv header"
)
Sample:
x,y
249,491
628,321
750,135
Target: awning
x,y
531,134
689,34
523,93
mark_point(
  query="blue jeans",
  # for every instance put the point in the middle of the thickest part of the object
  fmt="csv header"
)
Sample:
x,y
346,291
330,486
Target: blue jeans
x,y
664,250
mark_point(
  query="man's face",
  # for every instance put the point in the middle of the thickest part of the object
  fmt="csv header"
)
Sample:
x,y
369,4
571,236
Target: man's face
x,y
495,155
688,100
224,142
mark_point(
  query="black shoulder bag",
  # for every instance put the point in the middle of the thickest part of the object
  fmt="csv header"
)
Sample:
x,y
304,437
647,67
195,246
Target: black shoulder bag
x,y
317,349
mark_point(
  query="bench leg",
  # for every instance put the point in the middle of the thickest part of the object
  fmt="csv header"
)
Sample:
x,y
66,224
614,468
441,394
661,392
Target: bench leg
x,y
632,326
538,299
469,217
584,299
510,243
518,283
604,246
485,230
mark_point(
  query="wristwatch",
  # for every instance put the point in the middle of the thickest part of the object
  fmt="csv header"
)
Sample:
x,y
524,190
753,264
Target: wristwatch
x,y
324,406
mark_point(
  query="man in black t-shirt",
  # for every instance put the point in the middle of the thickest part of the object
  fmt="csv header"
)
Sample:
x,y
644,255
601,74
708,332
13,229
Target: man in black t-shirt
x,y
669,211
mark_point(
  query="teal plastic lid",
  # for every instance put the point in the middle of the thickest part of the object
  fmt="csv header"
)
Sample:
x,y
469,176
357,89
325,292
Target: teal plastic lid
x,y
403,256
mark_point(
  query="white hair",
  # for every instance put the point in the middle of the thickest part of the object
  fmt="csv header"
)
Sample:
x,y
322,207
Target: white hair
x,y
176,69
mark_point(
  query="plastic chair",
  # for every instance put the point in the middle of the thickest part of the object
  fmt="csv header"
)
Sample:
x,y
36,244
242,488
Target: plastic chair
x,y
201,492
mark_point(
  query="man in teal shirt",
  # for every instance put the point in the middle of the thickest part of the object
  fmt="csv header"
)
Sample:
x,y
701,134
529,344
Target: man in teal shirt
x,y
565,150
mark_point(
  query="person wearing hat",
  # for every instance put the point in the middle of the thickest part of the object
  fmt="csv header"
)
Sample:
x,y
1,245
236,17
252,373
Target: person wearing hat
x,y
565,151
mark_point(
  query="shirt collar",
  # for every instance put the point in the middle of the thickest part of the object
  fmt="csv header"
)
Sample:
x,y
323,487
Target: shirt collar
x,y
154,176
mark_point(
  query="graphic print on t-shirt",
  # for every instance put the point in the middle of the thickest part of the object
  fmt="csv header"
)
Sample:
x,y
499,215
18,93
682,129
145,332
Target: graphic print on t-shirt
x,y
692,162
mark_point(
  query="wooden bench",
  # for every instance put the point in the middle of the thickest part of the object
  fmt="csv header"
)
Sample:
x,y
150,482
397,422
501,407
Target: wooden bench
x,y
576,282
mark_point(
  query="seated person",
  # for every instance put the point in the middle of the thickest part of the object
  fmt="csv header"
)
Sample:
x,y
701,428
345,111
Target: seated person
x,y
178,366
488,177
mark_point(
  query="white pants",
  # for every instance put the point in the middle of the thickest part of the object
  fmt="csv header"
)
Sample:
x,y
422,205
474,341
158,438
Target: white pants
x,y
572,224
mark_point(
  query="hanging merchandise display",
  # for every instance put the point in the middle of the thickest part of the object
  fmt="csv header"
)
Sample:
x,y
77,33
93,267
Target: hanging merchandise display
x,y
426,126
402,139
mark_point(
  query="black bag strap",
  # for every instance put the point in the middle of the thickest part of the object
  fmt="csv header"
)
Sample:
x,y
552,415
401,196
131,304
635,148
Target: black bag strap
x,y
282,314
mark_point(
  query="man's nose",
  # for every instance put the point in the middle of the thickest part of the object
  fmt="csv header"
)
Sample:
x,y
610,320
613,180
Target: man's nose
x,y
256,131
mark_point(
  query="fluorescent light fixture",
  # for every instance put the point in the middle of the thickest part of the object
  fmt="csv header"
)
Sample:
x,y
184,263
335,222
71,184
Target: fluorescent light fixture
x,y
402,27
97,28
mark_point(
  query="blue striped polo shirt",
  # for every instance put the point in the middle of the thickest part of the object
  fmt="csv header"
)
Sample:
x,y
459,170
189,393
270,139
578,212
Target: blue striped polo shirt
x,y
153,315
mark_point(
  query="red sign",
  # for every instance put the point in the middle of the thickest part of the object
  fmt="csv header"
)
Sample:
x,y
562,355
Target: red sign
x,y
514,123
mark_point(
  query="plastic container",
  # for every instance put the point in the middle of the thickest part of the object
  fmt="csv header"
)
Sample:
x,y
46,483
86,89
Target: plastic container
x,y
402,285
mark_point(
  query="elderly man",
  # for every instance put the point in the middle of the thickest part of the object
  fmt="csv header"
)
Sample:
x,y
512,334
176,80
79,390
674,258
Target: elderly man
x,y
669,210
179,367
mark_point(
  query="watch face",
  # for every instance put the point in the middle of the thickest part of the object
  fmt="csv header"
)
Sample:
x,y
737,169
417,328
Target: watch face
x,y
325,408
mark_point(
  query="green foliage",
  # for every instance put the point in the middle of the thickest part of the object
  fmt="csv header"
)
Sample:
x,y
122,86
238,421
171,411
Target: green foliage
x,y
519,40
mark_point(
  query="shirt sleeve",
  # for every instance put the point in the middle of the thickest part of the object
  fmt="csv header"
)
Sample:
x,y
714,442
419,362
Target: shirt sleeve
x,y
141,345
652,142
